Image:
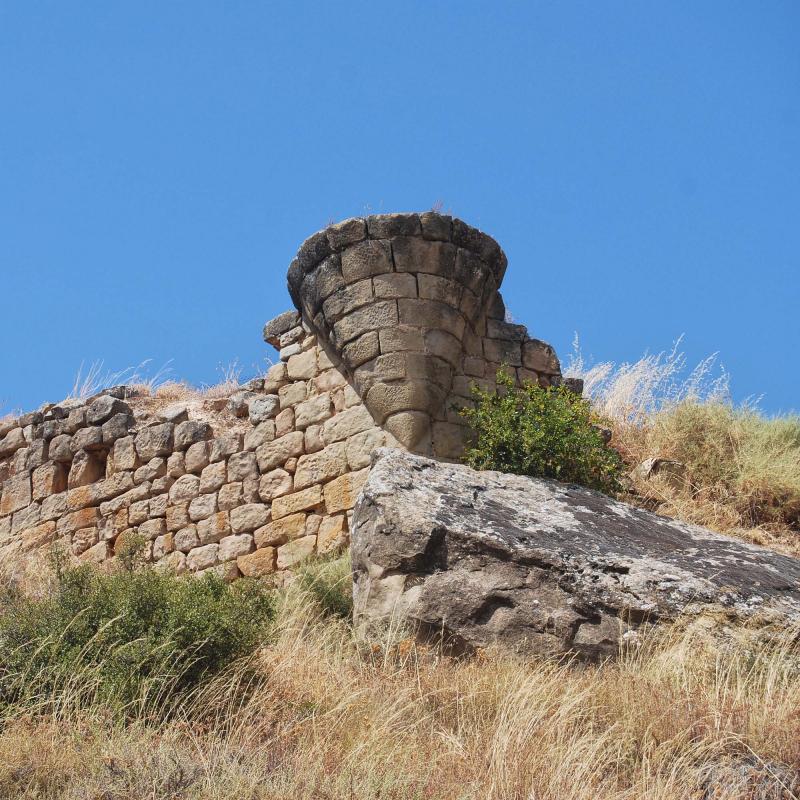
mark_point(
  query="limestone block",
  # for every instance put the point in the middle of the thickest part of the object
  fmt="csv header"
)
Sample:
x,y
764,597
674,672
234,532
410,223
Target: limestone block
x,y
96,554
427,314
186,539
290,465
444,290
258,563
263,407
313,439
332,534
202,557
61,449
25,518
230,495
281,530
385,399
436,226
75,520
346,233
424,257
343,302
411,429
502,351
448,440
173,562
366,259
262,433
157,440
103,408
54,506
176,463
190,432
124,455
445,346
341,494
50,478
175,413
158,506
202,506
346,424
471,271
304,500
11,442
154,468
162,545
315,409
116,428
241,466
195,459
187,487
384,226
16,494
89,439
361,445
274,484
540,357
322,466
362,349
42,534
152,528
329,379
224,446
474,367
214,527
249,517
276,327
293,393
234,546
284,422
380,314
75,419
238,403
138,512
295,551
395,284
275,378
302,366
140,492
274,454
499,329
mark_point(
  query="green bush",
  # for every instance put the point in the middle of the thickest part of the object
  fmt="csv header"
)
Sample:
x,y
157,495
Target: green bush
x,y
544,433
131,637
330,582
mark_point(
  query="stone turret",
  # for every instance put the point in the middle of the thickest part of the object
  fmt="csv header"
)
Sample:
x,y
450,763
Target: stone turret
x,y
407,306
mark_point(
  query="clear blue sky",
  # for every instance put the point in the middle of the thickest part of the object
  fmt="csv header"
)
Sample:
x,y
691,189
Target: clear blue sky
x,y
160,163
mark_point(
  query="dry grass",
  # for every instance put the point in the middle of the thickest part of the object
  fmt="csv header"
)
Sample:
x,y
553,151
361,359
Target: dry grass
x,y
329,716
742,467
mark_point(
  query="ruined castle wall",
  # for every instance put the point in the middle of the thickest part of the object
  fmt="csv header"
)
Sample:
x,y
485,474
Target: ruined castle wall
x,y
398,316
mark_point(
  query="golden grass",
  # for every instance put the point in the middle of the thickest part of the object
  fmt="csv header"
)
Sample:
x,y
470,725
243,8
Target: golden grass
x,y
324,714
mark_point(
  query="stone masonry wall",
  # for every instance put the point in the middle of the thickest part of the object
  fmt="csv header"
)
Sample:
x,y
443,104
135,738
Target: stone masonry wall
x,y
397,316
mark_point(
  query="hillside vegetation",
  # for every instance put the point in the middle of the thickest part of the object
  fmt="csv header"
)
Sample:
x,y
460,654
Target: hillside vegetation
x,y
319,712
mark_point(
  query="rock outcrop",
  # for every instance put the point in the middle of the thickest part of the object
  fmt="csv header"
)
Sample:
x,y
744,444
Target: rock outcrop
x,y
541,567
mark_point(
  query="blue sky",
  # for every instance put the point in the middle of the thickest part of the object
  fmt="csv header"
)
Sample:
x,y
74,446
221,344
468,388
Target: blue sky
x,y
161,162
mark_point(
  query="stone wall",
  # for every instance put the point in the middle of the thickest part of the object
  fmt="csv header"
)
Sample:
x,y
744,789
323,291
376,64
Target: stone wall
x,y
397,316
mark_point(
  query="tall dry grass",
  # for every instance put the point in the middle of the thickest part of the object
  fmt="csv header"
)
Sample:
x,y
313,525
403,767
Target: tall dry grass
x,y
742,468
322,713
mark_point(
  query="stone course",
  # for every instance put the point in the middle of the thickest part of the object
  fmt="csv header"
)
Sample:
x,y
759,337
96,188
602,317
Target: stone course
x,y
398,315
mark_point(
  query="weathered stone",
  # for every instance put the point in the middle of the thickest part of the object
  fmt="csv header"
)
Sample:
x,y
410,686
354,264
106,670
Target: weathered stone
x,y
362,349
25,518
539,356
38,536
241,466
229,496
116,428
274,484
75,520
542,567
281,530
276,327
187,487
54,506
258,563
175,413
377,315
11,442
213,477
295,551
673,472
157,440
276,453
162,545
123,454
504,352
332,534
315,409
263,407
366,259
214,527
262,433
104,408
158,506
194,460
341,303
89,439
249,517
190,432
202,506
153,528
361,445
96,554
322,466
385,226
346,232
61,449
341,494
239,403
313,439
225,446
234,546
293,393
298,501
186,539
16,494
50,478
176,464
202,557
154,468
275,378
347,424
138,512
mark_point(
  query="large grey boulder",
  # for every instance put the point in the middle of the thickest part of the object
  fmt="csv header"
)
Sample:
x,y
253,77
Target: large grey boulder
x,y
542,567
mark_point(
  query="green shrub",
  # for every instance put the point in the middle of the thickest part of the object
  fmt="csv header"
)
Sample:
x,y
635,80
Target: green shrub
x,y
330,581
129,637
544,433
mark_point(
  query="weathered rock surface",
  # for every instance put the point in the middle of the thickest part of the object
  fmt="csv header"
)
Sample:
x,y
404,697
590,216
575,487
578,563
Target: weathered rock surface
x,y
541,567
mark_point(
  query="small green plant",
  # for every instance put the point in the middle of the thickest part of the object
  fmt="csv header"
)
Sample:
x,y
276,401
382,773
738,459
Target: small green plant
x,y
136,637
544,433
330,582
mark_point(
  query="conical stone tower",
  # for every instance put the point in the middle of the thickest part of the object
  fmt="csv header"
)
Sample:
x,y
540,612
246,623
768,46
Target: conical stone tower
x,y
404,303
